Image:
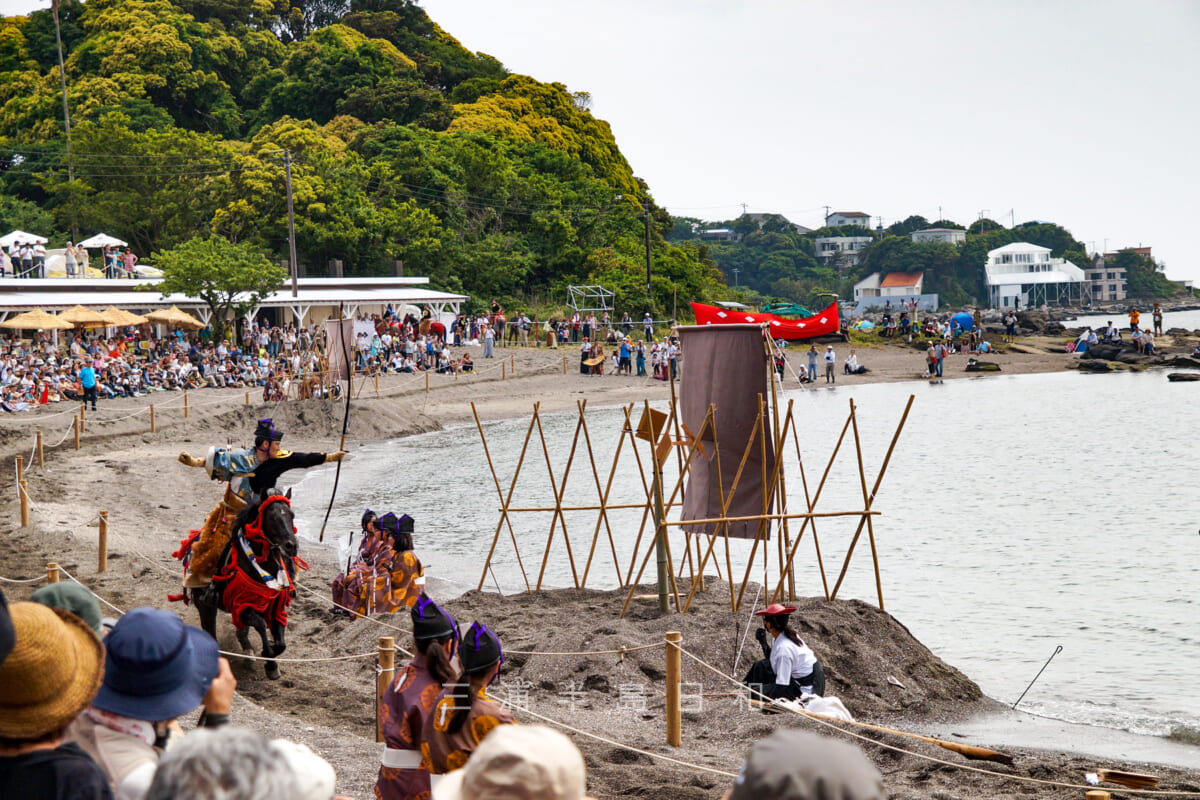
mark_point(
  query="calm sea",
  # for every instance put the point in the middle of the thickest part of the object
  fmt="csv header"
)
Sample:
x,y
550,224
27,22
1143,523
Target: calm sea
x,y
1188,320
1019,513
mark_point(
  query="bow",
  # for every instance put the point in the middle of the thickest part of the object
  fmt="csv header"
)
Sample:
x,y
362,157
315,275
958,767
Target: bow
x,y
345,418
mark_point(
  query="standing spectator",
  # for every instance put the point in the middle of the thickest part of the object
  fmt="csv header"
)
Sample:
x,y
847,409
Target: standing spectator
x,y
27,260
87,380
830,360
129,261
39,260
1134,317
641,359
625,352
51,673
626,323
1157,316
648,326
939,353
673,358
812,362
69,259
489,342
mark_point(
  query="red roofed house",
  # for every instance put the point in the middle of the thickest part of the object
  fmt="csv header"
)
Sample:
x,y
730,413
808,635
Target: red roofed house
x,y
902,284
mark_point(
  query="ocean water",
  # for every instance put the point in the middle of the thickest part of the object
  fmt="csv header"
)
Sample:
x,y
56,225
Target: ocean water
x,y
1188,320
1019,513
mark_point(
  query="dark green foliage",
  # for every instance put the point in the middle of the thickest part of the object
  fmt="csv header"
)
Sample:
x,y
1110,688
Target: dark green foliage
x,y
1144,278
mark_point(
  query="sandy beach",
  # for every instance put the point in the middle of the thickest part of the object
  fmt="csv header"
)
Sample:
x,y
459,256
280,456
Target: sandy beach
x,y
152,502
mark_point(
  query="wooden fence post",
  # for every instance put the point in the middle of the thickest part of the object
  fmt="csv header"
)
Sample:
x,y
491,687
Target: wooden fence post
x,y
503,371
152,426
41,453
427,380
22,492
564,365
247,398
185,404
102,546
75,424
52,572
83,416
674,709
387,669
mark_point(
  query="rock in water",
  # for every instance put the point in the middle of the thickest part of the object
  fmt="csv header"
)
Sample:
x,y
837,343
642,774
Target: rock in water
x,y
1183,377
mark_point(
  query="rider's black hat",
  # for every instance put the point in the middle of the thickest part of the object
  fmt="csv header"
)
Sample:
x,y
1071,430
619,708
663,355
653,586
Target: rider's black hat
x,y
367,516
480,650
267,432
431,622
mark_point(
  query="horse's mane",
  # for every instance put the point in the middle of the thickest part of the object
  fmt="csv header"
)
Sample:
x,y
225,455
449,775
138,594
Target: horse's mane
x,y
246,515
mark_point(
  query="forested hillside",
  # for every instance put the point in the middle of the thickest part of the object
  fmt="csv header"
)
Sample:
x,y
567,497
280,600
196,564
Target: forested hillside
x,y
404,145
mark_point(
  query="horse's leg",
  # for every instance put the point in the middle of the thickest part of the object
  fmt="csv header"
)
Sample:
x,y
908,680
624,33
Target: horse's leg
x,y
208,613
278,636
255,620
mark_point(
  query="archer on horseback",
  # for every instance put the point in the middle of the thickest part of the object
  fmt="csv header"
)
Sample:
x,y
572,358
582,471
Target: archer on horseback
x,y
249,472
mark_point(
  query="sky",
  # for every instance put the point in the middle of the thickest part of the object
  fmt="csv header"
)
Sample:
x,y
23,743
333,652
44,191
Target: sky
x,y
1079,112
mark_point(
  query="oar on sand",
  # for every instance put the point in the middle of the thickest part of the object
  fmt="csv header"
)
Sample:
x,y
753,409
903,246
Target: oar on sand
x,y
1130,780
967,750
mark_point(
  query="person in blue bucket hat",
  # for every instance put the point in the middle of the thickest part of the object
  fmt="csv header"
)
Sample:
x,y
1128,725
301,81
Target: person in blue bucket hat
x,y
156,669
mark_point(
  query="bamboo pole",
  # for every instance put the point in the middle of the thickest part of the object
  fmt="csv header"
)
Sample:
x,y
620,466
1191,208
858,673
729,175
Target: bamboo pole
x,y
22,492
185,403
83,416
503,371
102,546
387,670
41,453
426,380
874,491
674,699
602,495
564,365
862,476
153,427
558,493
504,518
609,506
75,425
247,398
52,572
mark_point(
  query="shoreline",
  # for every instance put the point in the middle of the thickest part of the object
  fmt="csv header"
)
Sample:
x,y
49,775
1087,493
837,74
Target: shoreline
x,y
122,466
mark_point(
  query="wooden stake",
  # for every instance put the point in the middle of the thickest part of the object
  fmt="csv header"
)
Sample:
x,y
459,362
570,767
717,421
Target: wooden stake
x,y
41,453
22,492
387,670
512,367
185,403
558,497
52,572
503,371
564,365
153,427
82,416
674,709
76,427
426,380
504,501
102,547
247,398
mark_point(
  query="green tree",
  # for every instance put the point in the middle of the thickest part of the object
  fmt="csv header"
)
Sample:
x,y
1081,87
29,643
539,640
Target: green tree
x,y
1144,278
228,277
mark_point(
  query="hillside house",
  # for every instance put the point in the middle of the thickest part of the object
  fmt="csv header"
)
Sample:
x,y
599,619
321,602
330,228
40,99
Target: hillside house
x,y
1021,275
848,218
1107,280
945,235
902,284
841,251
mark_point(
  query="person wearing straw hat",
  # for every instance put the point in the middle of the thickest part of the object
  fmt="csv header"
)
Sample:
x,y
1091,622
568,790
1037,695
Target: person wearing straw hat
x,y
409,701
464,715
54,667
520,762
8,637
156,669
789,668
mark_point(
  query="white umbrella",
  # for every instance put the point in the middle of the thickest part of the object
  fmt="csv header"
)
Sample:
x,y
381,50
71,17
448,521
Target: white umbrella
x,y
21,236
101,240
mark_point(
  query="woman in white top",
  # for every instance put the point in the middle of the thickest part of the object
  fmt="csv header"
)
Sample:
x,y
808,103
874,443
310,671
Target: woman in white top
x,y
789,667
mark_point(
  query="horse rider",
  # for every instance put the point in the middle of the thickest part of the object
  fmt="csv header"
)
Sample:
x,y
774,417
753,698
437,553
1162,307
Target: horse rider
x,y
249,472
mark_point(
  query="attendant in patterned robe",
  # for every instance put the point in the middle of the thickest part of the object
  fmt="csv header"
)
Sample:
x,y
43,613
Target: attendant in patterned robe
x,y
464,715
409,701
388,576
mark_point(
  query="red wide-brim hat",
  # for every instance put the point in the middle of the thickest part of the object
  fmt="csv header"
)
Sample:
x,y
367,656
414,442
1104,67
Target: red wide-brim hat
x,y
774,610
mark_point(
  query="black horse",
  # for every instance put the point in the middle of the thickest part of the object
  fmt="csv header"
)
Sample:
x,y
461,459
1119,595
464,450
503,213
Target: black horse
x,y
255,577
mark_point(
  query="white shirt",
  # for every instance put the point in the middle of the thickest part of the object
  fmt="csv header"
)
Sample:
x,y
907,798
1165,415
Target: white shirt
x,y
791,661
830,357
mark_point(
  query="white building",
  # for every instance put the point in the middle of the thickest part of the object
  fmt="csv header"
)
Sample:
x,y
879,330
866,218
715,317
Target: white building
x,y
946,235
840,250
902,284
1021,275
867,287
848,218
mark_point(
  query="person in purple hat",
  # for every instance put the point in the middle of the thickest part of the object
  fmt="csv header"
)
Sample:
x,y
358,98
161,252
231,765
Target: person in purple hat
x,y
156,669
788,668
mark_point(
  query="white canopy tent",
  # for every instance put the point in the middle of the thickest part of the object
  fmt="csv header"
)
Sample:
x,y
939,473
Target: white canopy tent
x,y
21,236
101,240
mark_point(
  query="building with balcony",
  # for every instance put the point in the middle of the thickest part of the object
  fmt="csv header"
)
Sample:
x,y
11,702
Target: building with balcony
x,y
857,218
946,235
1023,275
840,251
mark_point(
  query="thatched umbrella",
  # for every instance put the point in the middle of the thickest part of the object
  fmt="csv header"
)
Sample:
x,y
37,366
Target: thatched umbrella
x,y
116,317
175,318
86,317
37,320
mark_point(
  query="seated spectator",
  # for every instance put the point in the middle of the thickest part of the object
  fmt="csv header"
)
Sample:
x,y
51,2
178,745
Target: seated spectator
x,y
52,670
1147,343
240,765
851,366
156,669
519,761
799,765
71,596
466,365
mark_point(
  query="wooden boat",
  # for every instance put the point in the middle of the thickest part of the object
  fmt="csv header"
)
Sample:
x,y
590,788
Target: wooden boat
x,y
823,323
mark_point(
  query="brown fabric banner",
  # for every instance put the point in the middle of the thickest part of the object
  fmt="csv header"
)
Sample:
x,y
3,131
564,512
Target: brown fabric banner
x,y
726,366
334,331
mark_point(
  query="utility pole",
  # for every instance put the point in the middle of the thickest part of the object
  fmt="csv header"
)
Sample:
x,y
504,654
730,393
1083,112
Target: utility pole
x,y
939,212
735,272
646,217
287,180
826,220
62,75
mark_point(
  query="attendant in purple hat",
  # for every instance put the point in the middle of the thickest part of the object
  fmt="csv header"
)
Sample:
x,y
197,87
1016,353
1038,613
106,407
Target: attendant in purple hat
x,y
156,669
789,668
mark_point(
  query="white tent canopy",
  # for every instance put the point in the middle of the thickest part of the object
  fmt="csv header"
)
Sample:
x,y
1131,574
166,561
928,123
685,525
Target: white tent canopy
x,y
101,240
21,236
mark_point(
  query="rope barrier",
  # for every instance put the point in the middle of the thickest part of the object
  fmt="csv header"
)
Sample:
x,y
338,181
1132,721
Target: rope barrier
x,y
22,580
826,722
118,609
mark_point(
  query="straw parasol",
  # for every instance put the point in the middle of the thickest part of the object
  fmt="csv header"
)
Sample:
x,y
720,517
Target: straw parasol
x,y
37,320
115,316
174,318
83,316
